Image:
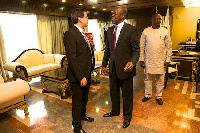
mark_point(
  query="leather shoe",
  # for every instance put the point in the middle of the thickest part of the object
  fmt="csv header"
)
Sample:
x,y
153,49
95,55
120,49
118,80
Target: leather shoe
x,y
79,131
160,102
126,123
89,119
145,99
110,114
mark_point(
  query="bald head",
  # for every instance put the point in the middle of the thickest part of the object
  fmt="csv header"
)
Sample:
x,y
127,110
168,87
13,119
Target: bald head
x,y
119,14
123,10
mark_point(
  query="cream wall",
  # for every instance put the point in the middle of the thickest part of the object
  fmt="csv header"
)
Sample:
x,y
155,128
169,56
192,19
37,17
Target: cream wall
x,y
184,24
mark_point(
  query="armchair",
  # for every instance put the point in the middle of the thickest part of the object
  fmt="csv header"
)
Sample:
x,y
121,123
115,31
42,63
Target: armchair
x,y
32,62
172,69
13,95
98,63
196,74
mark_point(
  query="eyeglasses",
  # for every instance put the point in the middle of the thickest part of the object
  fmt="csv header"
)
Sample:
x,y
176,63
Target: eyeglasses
x,y
85,16
114,13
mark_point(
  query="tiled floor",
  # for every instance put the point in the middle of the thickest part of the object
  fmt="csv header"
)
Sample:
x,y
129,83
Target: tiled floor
x,y
180,112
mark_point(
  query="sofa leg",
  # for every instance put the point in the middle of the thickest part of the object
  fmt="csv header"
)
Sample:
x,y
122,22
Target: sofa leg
x,y
26,110
28,79
14,77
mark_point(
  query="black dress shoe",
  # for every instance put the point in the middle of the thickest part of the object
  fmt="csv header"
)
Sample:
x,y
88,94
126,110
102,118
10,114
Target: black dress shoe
x,y
79,131
145,99
89,119
126,123
160,102
110,114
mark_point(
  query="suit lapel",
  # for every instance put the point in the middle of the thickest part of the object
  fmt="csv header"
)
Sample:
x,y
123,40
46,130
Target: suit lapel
x,y
111,35
81,36
122,32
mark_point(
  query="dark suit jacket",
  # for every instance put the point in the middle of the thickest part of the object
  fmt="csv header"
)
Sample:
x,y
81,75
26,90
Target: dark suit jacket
x,y
127,50
78,55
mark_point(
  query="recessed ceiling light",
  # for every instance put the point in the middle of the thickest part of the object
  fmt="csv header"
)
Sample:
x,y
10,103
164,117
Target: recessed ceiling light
x,y
63,1
104,9
45,5
24,2
62,8
80,4
93,7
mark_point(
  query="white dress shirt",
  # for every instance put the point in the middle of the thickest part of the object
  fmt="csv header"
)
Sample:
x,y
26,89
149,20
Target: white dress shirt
x,y
119,28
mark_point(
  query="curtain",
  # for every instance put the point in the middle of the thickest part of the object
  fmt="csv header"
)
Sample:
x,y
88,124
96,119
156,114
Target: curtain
x,y
3,58
131,21
103,29
51,31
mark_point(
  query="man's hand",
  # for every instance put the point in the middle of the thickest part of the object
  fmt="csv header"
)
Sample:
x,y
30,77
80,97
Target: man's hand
x,y
103,71
83,82
142,64
166,64
128,67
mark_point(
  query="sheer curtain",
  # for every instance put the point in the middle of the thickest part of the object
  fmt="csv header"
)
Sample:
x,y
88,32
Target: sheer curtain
x,y
51,30
19,32
103,29
94,28
2,55
131,21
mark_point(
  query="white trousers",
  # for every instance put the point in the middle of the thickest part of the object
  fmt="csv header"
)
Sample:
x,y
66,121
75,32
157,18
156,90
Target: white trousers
x,y
159,84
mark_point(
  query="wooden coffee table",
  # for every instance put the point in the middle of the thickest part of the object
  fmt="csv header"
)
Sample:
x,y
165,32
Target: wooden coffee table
x,y
59,76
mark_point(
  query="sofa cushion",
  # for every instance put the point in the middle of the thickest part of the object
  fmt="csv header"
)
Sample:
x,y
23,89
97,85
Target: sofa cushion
x,y
98,63
1,80
42,68
35,57
12,90
24,61
100,55
48,58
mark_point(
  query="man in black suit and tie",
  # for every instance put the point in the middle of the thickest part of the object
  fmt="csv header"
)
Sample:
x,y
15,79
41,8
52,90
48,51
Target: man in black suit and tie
x,y
80,55
122,48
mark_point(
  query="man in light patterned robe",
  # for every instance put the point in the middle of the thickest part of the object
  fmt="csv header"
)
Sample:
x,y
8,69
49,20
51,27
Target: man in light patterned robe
x,y
155,55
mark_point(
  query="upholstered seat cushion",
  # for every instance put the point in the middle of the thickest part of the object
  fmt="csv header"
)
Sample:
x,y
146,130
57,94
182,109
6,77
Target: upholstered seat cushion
x,y
41,68
98,63
1,80
13,90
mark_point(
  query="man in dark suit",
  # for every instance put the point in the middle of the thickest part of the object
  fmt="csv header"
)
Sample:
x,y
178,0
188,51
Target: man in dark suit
x,y
122,49
79,53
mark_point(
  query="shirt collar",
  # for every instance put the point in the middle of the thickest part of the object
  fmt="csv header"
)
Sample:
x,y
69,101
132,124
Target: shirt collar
x,y
120,25
79,28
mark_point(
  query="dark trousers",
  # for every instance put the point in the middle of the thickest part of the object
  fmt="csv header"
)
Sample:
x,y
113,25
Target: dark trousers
x,y
79,102
127,94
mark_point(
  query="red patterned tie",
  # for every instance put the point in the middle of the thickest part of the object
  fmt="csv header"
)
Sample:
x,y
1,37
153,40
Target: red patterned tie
x,y
114,42
87,40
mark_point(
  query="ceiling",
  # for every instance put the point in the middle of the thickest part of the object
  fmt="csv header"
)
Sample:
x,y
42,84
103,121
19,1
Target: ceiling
x,y
110,4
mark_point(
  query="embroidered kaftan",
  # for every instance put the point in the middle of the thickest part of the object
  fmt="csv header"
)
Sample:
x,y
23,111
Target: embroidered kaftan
x,y
155,49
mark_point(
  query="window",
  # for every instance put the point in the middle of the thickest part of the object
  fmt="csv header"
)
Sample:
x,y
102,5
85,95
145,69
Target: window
x,y
94,28
19,32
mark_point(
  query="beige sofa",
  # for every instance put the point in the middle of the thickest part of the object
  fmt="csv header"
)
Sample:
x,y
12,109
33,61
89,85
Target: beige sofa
x,y
32,62
13,95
